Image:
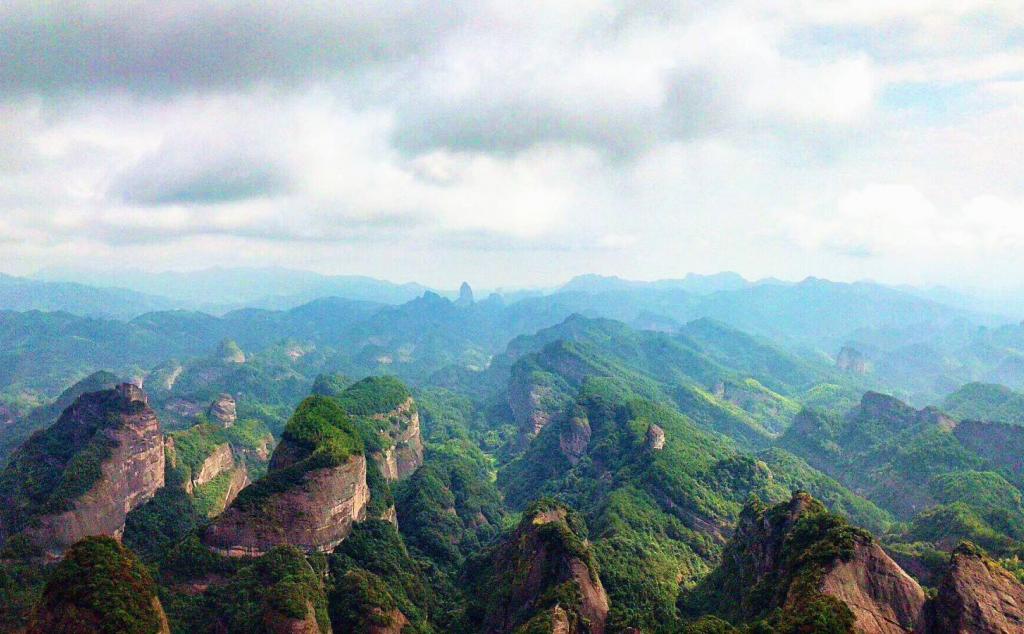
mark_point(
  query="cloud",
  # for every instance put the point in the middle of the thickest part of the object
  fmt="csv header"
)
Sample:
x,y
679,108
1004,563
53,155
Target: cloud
x,y
622,84
163,179
898,220
190,45
525,139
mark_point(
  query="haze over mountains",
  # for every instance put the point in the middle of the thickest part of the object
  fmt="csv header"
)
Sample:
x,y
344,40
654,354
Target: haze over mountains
x,y
128,292
612,455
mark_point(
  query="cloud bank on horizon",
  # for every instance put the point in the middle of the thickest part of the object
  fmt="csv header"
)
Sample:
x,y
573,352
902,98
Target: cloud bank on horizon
x,y
522,141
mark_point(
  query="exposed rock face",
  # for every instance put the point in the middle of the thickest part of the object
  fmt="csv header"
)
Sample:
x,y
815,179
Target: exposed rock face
x,y
220,461
396,622
544,552
22,425
465,295
575,438
216,463
882,597
405,455
852,361
977,596
528,402
223,411
316,513
117,424
764,569
655,438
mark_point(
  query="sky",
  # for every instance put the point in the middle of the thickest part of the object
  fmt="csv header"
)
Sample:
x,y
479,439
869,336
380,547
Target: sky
x,y
519,142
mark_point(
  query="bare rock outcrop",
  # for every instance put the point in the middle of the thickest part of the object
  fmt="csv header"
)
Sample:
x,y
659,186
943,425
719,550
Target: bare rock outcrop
x,y
218,462
314,491
223,411
275,622
229,352
977,596
405,451
80,477
392,622
883,598
544,552
796,556
529,404
655,438
315,513
852,361
575,438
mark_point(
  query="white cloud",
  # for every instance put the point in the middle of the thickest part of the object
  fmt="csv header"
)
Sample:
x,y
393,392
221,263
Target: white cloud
x,y
639,138
898,220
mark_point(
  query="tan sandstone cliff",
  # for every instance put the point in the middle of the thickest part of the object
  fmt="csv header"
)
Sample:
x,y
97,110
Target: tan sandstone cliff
x,y
977,596
121,433
315,513
405,453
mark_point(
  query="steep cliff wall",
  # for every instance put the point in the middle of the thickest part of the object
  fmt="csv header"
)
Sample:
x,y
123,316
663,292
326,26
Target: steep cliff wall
x,y
977,596
542,575
795,564
404,451
313,513
315,490
80,477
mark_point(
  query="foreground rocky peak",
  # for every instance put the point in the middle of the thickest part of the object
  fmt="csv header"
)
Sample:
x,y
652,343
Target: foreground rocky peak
x,y
102,458
795,563
542,577
315,489
384,411
100,586
977,596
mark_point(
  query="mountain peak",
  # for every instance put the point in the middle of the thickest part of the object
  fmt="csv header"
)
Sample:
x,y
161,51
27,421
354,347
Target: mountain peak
x,y
465,295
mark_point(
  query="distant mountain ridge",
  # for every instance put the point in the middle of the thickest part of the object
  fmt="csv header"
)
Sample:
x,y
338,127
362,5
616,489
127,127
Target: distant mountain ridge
x,y
219,289
22,294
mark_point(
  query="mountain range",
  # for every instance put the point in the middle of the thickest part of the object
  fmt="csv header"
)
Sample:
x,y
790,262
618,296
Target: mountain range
x,y
698,455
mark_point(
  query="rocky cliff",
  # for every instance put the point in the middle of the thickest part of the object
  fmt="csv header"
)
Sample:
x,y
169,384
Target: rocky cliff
x,y
795,563
852,361
314,491
218,479
102,458
542,577
403,451
977,596
531,402
41,417
575,437
223,411
99,586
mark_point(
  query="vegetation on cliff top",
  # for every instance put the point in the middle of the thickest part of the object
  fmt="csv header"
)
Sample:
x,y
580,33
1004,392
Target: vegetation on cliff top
x,y
986,401
58,464
100,586
374,395
781,591
322,430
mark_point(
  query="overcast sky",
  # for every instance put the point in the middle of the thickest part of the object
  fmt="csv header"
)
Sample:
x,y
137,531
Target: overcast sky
x,y
514,143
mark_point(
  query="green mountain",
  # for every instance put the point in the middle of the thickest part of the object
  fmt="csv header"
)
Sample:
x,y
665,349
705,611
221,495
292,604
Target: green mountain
x,y
536,463
107,301
986,401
